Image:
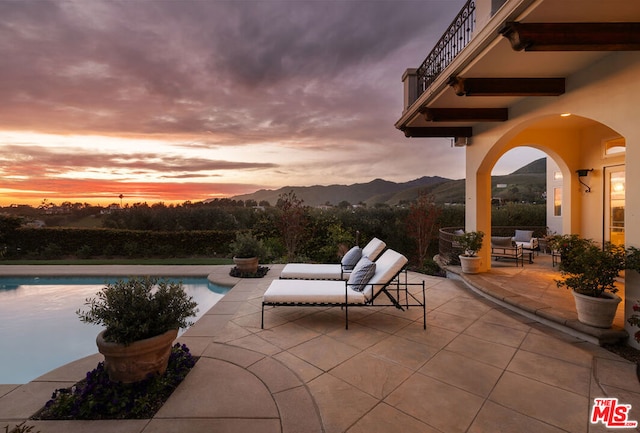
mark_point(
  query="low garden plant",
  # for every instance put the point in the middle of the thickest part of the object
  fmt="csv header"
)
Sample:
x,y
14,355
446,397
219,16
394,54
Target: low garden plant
x,y
23,427
261,272
98,398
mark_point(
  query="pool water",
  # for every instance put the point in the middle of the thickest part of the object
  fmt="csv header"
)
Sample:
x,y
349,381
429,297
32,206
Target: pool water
x,y
39,328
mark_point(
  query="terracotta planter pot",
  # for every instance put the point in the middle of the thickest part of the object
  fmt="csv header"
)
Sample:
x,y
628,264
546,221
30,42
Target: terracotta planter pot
x,y
134,362
598,312
470,265
248,265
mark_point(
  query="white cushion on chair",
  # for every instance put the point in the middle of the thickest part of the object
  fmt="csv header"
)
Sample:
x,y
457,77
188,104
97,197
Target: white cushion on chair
x,y
523,235
387,266
313,271
311,291
373,249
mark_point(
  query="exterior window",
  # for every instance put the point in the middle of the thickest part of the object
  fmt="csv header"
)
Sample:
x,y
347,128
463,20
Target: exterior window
x,y
615,146
557,202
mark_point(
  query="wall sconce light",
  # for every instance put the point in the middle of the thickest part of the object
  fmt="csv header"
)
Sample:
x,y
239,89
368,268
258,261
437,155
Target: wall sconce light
x,y
583,173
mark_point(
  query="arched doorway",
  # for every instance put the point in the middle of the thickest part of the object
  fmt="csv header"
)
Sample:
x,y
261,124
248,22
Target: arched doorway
x,y
585,189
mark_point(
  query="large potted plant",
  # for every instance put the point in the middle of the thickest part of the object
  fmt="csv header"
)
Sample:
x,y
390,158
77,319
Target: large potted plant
x,y
590,271
246,250
470,243
141,317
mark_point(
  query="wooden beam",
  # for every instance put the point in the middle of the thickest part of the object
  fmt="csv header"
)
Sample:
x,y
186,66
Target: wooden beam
x,y
465,114
618,36
440,131
507,86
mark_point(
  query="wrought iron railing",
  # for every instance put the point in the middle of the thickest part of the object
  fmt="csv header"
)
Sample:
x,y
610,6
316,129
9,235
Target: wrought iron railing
x,y
447,48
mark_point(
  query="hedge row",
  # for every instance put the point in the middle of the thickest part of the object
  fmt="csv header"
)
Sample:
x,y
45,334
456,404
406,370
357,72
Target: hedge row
x,y
51,243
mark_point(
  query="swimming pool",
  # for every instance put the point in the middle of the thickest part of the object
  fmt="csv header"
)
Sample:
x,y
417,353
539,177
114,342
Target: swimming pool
x,y
39,328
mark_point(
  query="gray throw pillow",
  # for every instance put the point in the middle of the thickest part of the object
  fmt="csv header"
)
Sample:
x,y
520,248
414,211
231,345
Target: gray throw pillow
x,y
352,257
361,274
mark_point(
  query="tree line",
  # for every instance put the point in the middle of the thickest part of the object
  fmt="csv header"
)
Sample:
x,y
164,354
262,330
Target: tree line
x,y
290,230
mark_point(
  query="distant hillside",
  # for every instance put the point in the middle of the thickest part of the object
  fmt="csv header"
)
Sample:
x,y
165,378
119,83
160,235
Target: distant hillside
x,y
539,166
376,191
525,184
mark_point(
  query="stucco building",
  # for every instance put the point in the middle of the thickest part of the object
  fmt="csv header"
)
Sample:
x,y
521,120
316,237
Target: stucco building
x,y
561,76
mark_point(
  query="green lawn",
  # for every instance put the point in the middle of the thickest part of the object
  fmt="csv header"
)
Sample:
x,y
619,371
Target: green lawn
x,y
185,261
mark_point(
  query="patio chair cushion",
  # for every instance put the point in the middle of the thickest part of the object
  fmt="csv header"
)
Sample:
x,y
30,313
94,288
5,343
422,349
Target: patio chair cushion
x,y
350,259
501,241
311,292
373,249
523,235
314,271
361,274
387,266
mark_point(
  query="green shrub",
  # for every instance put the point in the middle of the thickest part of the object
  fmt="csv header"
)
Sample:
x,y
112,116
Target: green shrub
x,y
429,267
246,245
84,252
131,249
51,251
139,308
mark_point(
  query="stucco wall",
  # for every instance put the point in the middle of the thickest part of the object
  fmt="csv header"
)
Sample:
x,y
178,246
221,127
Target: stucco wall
x,y
603,99
606,94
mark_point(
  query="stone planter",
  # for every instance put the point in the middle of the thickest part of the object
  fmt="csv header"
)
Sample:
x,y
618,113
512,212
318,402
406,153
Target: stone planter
x,y
134,362
598,312
246,265
470,264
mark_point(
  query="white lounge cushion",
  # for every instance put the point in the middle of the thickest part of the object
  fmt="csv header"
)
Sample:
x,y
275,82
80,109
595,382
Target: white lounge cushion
x,y
312,292
313,271
351,258
533,245
361,274
373,249
387,267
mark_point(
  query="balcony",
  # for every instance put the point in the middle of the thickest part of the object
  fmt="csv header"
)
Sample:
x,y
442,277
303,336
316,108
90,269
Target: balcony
x,y
447,48
497,53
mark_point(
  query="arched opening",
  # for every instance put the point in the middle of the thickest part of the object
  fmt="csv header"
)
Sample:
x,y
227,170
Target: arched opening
x,y
585,173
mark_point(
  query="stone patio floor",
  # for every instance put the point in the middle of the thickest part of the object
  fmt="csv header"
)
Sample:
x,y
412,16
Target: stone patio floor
x,y
478,367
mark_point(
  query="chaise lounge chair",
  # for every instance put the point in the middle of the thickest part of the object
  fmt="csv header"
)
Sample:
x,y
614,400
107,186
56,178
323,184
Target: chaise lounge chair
x,y
333,271
367,281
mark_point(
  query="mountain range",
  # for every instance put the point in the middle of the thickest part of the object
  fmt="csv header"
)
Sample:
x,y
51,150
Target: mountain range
x,y
524,184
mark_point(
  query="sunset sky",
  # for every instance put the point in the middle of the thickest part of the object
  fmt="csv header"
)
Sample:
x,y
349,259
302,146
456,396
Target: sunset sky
x,y
176,100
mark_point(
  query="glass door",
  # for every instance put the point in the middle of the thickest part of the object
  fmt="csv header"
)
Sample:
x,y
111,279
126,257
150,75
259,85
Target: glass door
x,y
615,189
